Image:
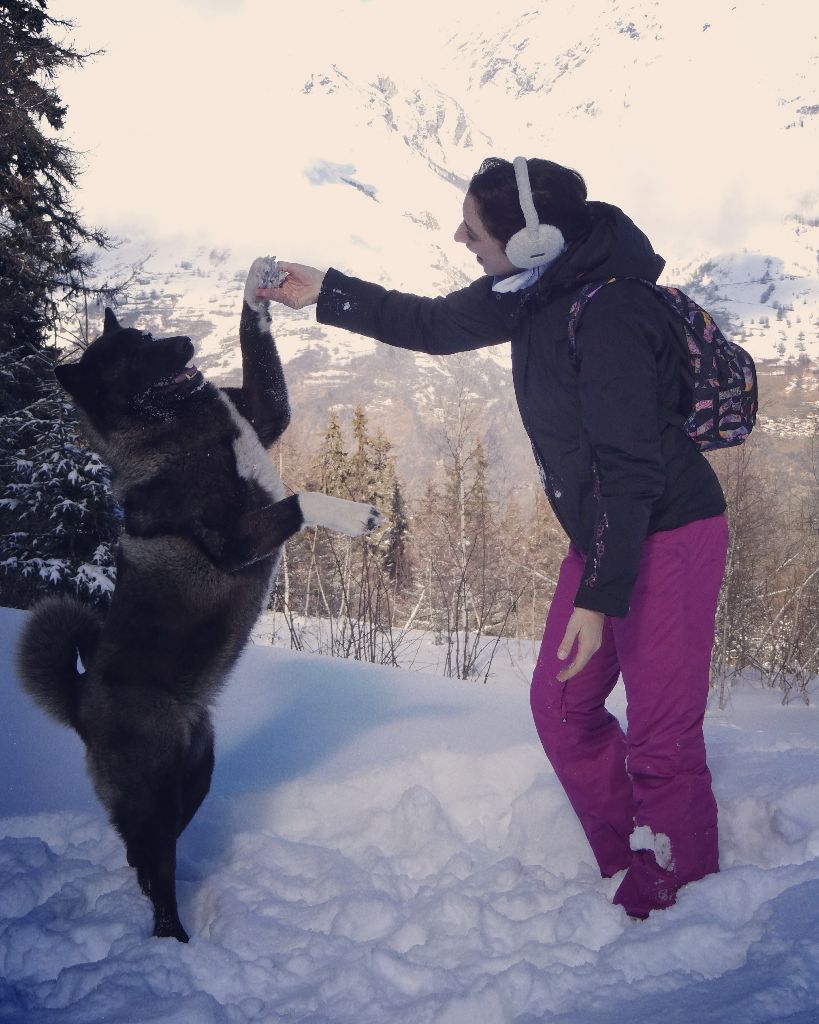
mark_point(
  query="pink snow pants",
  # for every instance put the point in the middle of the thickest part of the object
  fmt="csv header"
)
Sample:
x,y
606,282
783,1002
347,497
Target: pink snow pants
x,y
655,774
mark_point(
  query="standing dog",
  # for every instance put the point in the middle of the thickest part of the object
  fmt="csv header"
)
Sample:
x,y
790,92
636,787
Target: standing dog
x,y
205,516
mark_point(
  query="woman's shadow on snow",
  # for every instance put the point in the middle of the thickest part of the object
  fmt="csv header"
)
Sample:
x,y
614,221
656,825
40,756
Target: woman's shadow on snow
x,y
281,714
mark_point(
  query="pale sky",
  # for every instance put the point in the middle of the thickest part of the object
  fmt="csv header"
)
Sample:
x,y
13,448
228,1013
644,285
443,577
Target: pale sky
x,y
194,121
170,115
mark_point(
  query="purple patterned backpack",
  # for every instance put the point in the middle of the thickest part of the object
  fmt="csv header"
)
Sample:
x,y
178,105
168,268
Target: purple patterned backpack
x,y
722,374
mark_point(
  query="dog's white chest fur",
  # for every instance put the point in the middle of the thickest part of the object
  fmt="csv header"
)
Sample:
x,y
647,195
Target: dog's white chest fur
x,y
253,461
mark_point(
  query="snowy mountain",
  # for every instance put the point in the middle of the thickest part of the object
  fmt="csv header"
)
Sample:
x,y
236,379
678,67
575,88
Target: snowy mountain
x,y
706,116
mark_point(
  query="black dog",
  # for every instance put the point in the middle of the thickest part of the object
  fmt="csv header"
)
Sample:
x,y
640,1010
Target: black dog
x,y
205,515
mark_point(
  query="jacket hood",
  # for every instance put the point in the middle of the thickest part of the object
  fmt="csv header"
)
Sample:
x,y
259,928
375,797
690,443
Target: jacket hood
x,y
614,247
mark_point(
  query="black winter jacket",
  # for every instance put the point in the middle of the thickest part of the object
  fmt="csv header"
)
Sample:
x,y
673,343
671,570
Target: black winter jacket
x,y
606,428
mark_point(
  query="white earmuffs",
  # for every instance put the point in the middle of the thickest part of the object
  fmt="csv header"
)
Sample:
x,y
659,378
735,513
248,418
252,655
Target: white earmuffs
x,y
537,244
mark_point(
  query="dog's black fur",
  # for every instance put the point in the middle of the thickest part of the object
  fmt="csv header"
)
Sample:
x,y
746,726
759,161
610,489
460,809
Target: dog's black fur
x,y
205,516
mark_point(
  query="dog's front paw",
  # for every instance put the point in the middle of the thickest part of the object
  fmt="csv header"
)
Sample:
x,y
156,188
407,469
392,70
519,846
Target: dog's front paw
x,y
264,273
352,518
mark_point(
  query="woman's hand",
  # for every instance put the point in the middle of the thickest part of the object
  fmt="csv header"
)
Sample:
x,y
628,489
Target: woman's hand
x,y
585,627
300,288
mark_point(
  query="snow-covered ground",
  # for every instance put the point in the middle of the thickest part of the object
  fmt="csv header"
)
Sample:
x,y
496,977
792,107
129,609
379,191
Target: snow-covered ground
x,y
385,846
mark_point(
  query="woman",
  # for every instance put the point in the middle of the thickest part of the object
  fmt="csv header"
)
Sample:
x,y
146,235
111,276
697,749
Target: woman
x,y
642,508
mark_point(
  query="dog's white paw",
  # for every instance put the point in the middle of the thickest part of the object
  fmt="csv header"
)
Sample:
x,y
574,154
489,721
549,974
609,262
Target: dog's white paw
x,y
352,518
264,273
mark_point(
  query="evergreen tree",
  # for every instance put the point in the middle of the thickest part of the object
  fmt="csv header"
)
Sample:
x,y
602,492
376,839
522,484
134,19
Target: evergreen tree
x,y
372,477
351,584
391,542
56,505
332,465
43,242
56,513
361,478
316,553
381,471
395,558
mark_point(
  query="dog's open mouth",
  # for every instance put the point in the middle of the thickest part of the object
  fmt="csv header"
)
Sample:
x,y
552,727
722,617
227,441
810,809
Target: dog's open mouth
x,y
189,380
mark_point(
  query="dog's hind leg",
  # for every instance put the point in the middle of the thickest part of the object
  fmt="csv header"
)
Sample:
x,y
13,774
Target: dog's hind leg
x,y
197,771
148,821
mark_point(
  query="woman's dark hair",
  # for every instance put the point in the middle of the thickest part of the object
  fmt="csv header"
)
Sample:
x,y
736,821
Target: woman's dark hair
x,y
559,194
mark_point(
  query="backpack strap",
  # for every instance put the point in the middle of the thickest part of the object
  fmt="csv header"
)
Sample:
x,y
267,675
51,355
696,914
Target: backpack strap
x,y
584,297
672,299
588,292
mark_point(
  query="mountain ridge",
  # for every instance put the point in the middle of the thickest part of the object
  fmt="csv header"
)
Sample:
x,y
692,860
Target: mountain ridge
x,y
391,150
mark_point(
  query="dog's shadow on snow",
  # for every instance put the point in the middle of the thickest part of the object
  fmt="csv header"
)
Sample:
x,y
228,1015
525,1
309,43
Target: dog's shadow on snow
x,y
280,716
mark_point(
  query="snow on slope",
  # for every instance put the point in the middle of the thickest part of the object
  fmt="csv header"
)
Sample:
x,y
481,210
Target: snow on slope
x,y
701,116
387,846
772,302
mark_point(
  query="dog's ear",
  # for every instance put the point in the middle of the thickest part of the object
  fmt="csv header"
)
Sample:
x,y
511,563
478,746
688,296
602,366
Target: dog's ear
x,y
111,322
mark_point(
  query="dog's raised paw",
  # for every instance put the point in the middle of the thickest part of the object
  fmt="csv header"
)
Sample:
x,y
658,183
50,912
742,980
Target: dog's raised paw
x,y
353,518
264,273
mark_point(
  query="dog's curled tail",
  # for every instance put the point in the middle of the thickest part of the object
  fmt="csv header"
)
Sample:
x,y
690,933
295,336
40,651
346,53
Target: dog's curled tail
x,y
58,631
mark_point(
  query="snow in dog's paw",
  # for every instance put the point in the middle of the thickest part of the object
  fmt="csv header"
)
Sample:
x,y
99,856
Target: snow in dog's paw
x,y
352,518
264,273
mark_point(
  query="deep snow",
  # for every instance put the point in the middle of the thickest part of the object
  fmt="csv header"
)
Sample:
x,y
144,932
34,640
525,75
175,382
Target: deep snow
x,y
386,846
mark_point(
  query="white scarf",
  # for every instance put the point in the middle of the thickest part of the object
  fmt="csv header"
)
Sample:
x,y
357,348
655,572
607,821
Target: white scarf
x,y
517,282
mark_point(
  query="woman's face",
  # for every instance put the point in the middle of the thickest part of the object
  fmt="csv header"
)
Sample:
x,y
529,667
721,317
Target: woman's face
x,y
489,251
